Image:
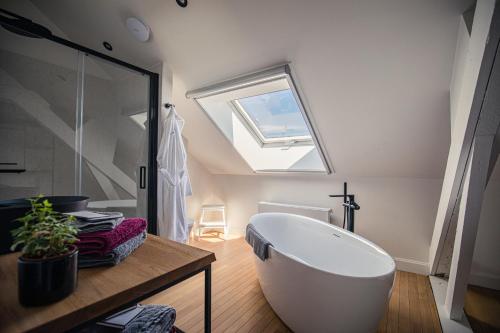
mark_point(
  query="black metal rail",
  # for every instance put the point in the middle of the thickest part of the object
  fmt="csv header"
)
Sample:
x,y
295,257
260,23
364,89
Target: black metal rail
x,y
207,308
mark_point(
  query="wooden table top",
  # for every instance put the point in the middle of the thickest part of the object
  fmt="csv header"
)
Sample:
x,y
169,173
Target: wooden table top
x,y
100,290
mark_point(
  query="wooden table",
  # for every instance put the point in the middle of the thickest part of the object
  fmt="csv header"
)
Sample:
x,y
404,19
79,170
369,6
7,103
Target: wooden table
x,y
155,266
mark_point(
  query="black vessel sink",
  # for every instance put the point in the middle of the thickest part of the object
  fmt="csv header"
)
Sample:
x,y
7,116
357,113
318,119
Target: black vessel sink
x,y
15,208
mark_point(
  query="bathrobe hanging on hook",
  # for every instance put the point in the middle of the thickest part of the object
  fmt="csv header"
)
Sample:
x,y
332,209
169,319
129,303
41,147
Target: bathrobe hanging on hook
x,y
173,180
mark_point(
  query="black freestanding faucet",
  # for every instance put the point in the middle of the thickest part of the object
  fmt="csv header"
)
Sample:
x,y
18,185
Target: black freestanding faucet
x,y
349,207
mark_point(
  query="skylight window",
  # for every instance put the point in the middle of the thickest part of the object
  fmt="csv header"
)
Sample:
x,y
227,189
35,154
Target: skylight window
x,y
274,118
263,117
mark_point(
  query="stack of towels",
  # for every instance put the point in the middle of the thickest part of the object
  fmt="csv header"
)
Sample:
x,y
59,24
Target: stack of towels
x,y
106,238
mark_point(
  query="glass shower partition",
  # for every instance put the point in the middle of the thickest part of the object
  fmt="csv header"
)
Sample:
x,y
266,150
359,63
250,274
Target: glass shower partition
x,y
113,159
38,90
74,121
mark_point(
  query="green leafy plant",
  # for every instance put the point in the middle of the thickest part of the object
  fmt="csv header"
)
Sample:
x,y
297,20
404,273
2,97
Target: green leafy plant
x,y
44,233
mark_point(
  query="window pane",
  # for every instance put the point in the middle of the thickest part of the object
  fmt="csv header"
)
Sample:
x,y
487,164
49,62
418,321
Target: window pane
x,y
276,115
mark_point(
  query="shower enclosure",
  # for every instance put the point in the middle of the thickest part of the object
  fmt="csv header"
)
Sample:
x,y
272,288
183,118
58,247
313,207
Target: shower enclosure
x,y
74,121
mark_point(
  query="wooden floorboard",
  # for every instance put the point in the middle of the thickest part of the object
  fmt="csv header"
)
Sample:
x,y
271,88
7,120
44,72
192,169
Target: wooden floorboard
x,y
414,304
238,304
393,310
404,304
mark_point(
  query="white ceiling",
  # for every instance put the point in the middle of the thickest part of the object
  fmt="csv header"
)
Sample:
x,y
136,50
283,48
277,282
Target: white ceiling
x,y
374,73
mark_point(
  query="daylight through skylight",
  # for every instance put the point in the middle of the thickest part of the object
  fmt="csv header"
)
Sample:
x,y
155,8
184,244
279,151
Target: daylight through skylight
x,y
262,116
275,115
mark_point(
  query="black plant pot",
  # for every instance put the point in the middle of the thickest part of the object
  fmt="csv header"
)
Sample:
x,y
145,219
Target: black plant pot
x,y
43,281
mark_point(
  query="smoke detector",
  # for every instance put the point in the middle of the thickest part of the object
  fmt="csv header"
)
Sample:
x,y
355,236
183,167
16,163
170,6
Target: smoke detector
x,y
138,29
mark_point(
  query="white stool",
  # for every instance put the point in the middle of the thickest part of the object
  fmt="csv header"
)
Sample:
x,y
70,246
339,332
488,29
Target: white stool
x,y
212,217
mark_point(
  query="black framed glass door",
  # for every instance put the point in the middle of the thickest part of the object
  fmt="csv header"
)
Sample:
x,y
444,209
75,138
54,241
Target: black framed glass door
x,y
75,121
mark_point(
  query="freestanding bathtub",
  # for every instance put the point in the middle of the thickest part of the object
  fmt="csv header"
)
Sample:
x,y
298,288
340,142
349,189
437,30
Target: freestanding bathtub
x,y
321,278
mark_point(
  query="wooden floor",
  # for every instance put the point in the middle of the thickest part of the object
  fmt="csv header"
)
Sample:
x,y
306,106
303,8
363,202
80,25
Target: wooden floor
x,y
411,307
238,304
482,306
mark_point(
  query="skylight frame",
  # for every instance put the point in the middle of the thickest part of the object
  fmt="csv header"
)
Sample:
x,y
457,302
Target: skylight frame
x,y
249,123
283,71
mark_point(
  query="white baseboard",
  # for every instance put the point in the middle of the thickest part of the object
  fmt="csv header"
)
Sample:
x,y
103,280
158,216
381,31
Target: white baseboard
x,y
483,280
412,266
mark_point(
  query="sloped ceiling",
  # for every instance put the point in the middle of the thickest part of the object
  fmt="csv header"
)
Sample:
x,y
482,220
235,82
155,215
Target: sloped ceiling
x,y
374,73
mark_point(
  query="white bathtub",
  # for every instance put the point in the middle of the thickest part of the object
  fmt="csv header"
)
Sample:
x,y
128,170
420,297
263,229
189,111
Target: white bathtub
x,y
321,278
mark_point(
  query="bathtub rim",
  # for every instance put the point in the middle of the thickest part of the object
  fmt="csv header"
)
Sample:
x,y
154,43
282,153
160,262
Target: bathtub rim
x,y
337,228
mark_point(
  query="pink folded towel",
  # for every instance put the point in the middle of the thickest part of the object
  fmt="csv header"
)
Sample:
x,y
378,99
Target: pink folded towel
x,y
103,242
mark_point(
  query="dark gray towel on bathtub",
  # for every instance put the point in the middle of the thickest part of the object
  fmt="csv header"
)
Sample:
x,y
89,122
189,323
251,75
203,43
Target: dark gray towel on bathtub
x,y
258,242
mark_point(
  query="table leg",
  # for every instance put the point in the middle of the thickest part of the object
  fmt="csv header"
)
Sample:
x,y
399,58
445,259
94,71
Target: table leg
x,y
208,299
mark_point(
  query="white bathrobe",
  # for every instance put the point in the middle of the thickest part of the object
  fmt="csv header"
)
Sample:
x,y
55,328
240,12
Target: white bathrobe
x,y
173,180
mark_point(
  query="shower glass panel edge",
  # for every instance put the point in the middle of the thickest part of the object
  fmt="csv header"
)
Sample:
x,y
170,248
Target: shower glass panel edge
x,y
79,122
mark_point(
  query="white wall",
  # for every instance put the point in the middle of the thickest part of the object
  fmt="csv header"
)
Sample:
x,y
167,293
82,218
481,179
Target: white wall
x,y
396,213
205,188
462,96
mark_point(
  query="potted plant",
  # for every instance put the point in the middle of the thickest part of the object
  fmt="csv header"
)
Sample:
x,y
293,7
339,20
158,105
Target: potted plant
x,y
47,267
